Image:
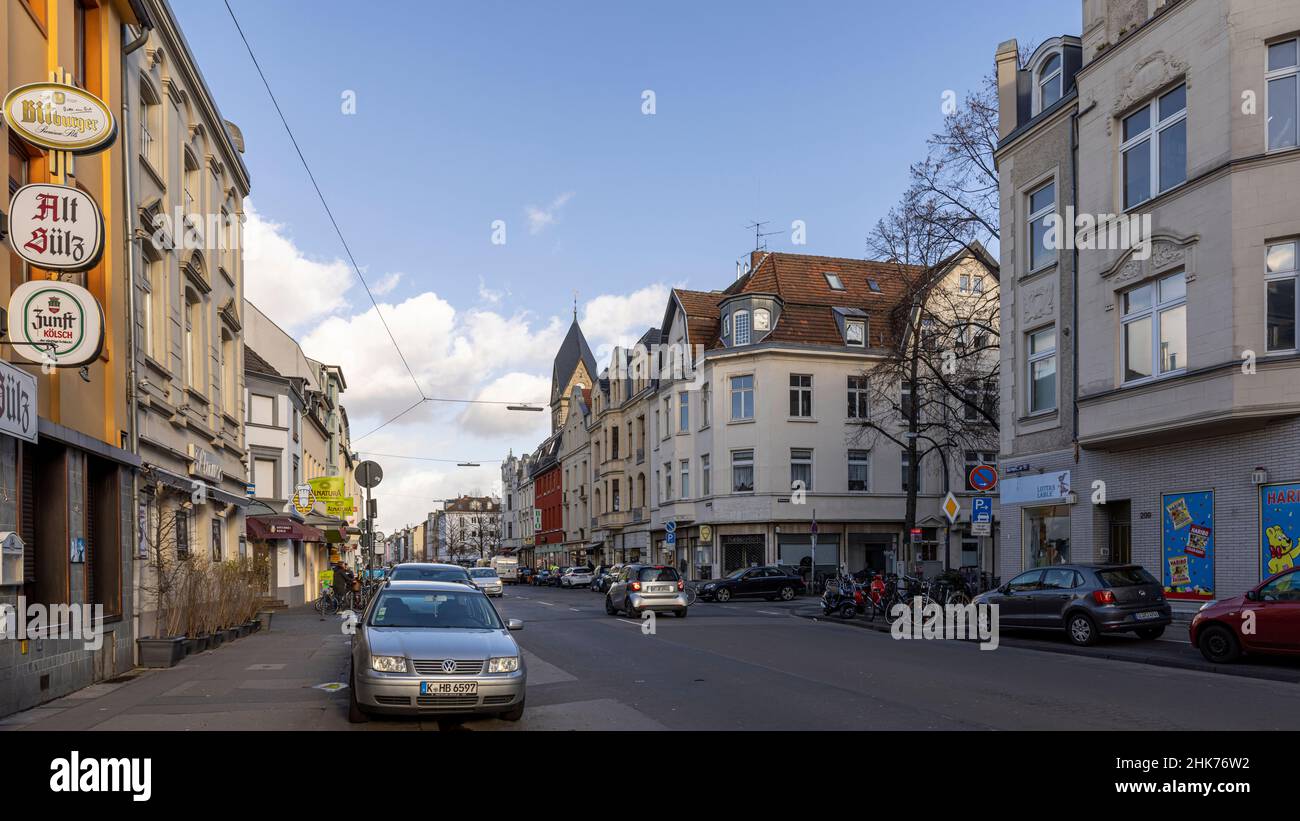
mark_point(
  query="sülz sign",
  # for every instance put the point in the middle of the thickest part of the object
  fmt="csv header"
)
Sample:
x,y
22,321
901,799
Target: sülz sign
x,y
17,402
60,117
56,322
56,227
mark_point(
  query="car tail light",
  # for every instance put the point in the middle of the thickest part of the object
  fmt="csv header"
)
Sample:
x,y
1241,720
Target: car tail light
x,y
681,585
636,587
1103,596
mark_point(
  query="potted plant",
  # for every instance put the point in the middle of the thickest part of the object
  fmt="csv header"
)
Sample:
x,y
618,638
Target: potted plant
x,y
161,584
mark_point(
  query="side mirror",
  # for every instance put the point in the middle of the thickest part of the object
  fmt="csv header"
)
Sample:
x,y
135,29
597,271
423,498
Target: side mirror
x,y
1005,589
1252,595
514,624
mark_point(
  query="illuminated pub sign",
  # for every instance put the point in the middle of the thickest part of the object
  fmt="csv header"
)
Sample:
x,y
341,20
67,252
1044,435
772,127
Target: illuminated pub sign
x,y
56,227
57,323
60,117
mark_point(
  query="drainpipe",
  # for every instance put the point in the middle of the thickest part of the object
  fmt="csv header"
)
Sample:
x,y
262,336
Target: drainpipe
x,y
132,400
1074,284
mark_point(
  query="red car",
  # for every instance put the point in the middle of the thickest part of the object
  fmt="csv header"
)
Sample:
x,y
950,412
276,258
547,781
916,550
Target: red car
x,y
1263,620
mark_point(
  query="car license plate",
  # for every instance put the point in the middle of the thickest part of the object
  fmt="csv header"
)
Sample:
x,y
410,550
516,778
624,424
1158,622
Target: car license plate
x,y
660,588
1149,614
449,688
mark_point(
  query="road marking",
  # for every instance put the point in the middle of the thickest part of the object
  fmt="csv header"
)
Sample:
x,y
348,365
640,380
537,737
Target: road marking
x,y
548,604
629,621
768,612
575,609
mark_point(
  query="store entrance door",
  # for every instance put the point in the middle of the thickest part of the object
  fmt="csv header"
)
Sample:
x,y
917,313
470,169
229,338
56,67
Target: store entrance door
x,y
1119,544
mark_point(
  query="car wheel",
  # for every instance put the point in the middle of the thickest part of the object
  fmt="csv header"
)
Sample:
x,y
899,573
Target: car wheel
x,y
1218,644
630,610
356,714
1151,633
681,614
1081,630
723,595
787,593
514,713
609,607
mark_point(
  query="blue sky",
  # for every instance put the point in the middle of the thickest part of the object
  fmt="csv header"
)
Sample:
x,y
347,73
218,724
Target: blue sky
x,y
468,113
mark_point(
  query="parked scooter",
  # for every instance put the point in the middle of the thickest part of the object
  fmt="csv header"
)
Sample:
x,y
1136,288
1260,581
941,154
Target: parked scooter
x,y
843,598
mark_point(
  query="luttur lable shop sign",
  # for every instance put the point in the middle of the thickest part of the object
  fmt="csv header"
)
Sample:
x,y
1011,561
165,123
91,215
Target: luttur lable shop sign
x,y
60,117
56,227
56,322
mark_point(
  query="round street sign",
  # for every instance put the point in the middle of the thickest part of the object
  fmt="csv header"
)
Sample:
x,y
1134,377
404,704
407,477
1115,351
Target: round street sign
x,y
56,227
369,474
984,477
56,322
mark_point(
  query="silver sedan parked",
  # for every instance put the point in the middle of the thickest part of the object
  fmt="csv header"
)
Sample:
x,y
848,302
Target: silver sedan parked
x,y
435,647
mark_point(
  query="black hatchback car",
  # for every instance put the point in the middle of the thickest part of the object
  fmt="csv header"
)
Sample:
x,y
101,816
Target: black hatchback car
x,y
1084,600
770,582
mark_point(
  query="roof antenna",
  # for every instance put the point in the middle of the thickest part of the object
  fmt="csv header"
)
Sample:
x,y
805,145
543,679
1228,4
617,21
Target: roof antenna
x,y
760,244
575,304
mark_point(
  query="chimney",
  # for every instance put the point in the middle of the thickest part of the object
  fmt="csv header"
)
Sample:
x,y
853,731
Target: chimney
x,y
1007,61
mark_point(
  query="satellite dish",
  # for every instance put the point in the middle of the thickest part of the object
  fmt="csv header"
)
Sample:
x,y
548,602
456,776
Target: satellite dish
x,y
369,474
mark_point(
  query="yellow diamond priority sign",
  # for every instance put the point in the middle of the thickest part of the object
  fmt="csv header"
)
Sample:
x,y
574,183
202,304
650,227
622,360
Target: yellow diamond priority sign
x,y
951,507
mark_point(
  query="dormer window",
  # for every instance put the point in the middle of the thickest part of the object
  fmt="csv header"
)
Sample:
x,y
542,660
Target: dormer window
x,y
726,325
855,333
833,280
741,319
1050,80
762,319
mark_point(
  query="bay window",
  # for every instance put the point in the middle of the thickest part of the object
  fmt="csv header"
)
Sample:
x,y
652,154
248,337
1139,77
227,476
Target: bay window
x,y
1280,282
1283,79
1155,328
1154,150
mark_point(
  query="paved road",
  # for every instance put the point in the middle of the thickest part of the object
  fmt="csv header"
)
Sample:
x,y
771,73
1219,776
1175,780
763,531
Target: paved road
x,y
745,665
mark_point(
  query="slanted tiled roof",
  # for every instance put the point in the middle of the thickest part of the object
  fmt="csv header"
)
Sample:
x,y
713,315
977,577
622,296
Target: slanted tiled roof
x,y
702,315
256,364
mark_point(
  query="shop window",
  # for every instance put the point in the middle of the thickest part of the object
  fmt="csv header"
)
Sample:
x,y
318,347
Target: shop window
x,y
1047,535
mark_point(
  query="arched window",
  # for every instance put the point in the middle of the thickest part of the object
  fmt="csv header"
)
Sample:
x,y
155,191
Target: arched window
x,y
1050,81
741,319
762,319
229,374
193,330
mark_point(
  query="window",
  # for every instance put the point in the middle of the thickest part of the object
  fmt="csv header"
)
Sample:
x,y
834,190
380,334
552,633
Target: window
x,y
261,409
1283,94
686,478
859,470
858,401
833,280
855,333
150,126
1047,535
684,411
668,417
742,397
217,546
1042,370
873,285
726,325
706,479
742,471
668,481
191,185
182,519
1050,81
1155,147
264,484
741,318
1280,282
911,476
905,404
975,458
801,395
801,469
704,407
1042,204
20,172
762,319
1155,328
229,373
193,332
296,472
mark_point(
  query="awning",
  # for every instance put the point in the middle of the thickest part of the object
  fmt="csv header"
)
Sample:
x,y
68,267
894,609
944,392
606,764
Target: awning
x,y
268,528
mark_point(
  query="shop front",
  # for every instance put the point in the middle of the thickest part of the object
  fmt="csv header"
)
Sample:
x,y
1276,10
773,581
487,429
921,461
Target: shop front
x,y
293,551
1044,502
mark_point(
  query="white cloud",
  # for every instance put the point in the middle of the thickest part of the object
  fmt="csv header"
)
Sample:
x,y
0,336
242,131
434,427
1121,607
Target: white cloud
x,y
490,421
280,279
386,284
620,319
540,219
490,295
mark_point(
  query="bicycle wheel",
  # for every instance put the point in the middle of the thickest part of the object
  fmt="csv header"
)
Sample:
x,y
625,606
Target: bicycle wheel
x,y
691,596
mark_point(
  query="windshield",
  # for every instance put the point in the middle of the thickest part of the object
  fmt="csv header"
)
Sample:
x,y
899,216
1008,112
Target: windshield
x,y
420,608
428,574
736,574
657,574
483,573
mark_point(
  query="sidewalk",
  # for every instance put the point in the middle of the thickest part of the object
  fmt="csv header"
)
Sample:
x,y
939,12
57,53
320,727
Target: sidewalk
x,y
1173,650
237,686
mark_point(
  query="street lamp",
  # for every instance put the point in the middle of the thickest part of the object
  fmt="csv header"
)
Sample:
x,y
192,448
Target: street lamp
x,y
467,464
524,407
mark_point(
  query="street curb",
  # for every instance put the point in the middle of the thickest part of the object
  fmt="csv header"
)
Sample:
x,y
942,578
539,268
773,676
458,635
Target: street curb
x,y
1263,674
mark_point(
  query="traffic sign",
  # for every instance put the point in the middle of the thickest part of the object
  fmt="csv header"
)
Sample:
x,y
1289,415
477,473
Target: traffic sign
x,y
670,526
951,507
981,529
984,478
369,474
916,534
981,509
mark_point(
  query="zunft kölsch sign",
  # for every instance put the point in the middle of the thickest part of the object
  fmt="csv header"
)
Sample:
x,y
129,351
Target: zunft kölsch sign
x,y
56,323
56,227
60,117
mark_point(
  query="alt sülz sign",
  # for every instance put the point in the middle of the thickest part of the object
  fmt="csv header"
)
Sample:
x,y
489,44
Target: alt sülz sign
x,y
60,117
56,227
56,322
17,402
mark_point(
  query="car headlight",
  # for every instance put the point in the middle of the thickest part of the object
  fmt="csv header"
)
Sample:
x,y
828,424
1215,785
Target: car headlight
x,y
503,664
388,664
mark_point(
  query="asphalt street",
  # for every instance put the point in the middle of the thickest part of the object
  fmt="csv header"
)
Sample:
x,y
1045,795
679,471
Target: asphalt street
x,y
746,665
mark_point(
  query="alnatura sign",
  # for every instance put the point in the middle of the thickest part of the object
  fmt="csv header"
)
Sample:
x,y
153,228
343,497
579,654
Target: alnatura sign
x,y
56,227
17,402
56,322
60,117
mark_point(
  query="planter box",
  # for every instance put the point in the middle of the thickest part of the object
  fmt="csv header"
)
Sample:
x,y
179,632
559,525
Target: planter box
x,y
196,644
253,626
241,631
214,640
265,619
161,652
231,634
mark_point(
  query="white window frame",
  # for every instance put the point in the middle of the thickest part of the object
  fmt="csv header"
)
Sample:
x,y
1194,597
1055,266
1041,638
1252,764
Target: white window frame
x,y
797,392
865,461
1032,358
750,390
905,468
1155,312
743,334
855,396
833,280
683,411
706,475
1292,274
848,338
1151,133
685,468
1040,80
1035,216
743,463
801,460
1279,74
766,323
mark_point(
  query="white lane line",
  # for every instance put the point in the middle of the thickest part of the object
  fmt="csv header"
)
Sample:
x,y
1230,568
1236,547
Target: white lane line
x,y
548,604
574,609
768,612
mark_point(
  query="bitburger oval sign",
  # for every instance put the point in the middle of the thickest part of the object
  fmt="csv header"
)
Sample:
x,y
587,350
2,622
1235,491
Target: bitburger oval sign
x,y
60,117
56,227
56,322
